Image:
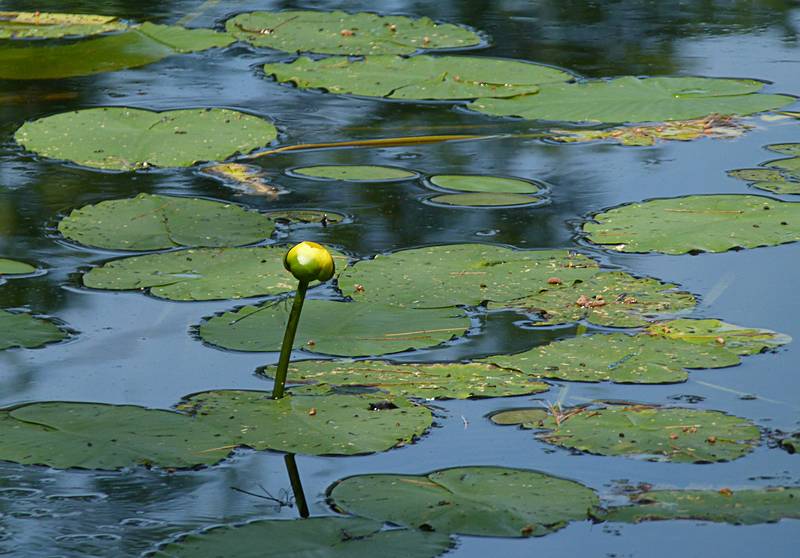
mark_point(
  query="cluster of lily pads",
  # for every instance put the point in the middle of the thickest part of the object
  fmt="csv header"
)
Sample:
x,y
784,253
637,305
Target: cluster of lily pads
x,y
195,249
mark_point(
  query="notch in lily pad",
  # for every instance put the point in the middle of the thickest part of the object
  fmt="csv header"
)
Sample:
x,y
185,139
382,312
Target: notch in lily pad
x,y
307,261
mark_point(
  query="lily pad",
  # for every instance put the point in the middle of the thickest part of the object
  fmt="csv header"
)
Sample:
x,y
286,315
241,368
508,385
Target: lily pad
x,y
737,507
96,436
713,126
49,25
311,420
484,199
459,274
418,77
121,138
247,178
659,355
336,328
695,224
781,176
791,443
136,47
608,298
342,33
484,183
480,501
648,431
200,274
23,330
354,173
14,267
429,381
153,222
632,99
316,537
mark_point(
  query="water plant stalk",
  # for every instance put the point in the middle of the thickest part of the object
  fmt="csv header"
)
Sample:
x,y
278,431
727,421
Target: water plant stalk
x,y
307,261
297,486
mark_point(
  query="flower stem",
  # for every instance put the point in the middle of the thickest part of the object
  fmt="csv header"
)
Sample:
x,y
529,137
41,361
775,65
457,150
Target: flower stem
x,y
288,340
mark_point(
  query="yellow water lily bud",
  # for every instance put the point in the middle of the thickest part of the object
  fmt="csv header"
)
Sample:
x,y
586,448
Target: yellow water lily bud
x,y
309,261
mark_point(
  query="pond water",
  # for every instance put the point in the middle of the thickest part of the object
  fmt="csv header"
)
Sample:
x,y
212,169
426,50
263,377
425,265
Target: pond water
x,y
134,349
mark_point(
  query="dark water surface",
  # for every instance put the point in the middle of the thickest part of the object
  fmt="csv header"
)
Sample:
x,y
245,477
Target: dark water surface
x,y
135,349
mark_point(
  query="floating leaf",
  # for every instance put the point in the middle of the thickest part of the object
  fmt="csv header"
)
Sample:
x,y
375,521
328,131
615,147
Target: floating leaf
x,y
316,537
714,126
315,421
484,183
661,354
656,433
199,274
354,173
137,47
48,25
342,33
737,507
418,77
714,333
694,224
153,222
96,436
632,99
336,328
429,381
248,178
14,267
23,330
480,501
459,274
121,138
609,298
781,176
791,443
484,199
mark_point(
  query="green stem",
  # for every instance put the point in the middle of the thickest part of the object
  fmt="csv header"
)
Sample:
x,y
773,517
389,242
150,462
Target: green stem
x,y
288,340
297,487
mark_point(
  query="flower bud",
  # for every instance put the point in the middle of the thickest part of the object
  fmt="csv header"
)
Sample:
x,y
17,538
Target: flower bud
x,y
309,261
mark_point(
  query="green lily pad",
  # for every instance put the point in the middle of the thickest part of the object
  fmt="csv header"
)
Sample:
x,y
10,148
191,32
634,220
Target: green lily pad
x,y
316,537
632,430
429,381
713,126
480,501
418,77
632,99
48,25
608,298
315,421
459,274
121,138
14,267
336,328
23,330
484,199
354,173
791,443
484,183
694,224
659,355
737,507
781,176
714,333
153,222
342,33
134,48
206,428
96,436
200,274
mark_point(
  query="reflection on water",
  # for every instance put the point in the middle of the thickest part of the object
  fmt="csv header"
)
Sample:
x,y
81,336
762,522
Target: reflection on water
x,y
135,349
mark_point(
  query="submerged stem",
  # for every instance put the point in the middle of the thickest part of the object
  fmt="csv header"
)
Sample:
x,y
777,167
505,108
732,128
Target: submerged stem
x,y
288,340
297,487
